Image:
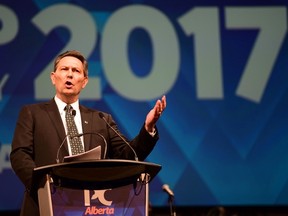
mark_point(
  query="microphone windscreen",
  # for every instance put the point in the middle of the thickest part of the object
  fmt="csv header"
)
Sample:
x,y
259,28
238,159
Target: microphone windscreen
x,y
74,112
167,189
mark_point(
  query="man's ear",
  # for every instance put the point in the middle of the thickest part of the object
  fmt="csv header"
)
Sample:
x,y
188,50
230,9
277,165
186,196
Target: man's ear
x,y
85,82
52,77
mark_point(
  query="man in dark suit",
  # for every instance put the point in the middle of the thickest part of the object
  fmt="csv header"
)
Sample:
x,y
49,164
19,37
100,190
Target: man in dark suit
x,y
41,128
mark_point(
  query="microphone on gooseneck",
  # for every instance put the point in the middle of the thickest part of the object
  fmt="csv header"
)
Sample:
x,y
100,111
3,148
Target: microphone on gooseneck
x,y
101,115
98,134
79,135
62,143
73,112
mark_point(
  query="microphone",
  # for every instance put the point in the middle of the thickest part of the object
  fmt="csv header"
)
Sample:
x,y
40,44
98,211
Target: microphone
x,y
58,151
101,115
98,134
73,112
79,135
167,189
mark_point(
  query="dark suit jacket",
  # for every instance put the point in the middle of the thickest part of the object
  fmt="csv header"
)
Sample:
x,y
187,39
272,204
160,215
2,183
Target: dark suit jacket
x,y
40,131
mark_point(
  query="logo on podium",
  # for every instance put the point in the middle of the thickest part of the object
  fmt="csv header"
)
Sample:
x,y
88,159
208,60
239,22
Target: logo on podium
x,y
97,196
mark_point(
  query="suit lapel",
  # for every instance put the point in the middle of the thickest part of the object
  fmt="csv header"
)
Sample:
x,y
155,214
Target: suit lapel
x,y
56,120
86,118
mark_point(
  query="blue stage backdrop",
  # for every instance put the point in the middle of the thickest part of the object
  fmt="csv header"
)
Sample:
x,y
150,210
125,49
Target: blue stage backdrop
x,y
223,66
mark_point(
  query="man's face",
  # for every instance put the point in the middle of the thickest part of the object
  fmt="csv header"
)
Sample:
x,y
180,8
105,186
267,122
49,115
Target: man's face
x,y
69,79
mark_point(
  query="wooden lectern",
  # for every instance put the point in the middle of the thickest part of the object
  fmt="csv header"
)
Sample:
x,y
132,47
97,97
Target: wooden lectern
x,y
117,187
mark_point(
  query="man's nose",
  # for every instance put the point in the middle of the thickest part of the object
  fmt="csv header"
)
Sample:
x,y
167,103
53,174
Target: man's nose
x,y
70,73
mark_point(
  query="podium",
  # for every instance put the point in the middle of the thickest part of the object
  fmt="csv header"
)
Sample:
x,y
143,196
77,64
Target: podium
x,y
117,187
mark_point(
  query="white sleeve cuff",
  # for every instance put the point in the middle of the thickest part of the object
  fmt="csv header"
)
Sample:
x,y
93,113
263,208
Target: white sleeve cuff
x,y
153,133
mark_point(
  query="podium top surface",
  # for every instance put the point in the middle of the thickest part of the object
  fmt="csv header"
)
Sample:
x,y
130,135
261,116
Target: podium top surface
x,y
103,173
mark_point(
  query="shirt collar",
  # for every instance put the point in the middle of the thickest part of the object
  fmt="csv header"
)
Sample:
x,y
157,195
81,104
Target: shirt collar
x,y
61,105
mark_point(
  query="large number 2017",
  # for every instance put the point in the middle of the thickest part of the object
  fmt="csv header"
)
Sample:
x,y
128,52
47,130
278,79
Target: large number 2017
x,y
201,22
